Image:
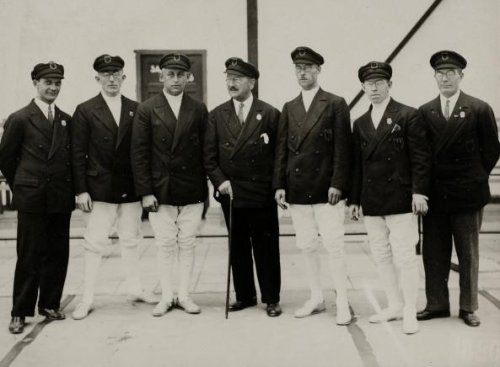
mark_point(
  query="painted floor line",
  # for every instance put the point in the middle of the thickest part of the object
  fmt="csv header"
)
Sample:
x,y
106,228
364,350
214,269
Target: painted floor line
x,y
31,336
490,297
362,344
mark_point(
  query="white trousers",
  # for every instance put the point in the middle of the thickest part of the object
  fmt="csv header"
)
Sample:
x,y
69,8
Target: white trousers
x,y
175,229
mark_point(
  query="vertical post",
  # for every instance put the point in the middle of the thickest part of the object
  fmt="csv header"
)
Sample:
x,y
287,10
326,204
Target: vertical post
x,y
252,38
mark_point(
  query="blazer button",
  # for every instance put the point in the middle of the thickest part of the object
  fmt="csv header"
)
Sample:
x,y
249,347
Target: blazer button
x,y
309,196
48,179
252,161
106,138
68,180
230,161
297,169
40,146
253,178
297,153
317,170
369,180
292,137
388,158
316,152
227,144
183,168
457,160
164,139
124,195
389,179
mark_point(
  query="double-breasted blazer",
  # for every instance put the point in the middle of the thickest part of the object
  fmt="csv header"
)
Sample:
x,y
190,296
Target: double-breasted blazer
x,y
464,151
244,155
390,163
101,151
167,154
313,152
35,158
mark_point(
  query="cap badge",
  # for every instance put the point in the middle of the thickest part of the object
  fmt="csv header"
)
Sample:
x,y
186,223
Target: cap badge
x,y
444,57
177,57
302,52
373,65
52,65
107,59
234,62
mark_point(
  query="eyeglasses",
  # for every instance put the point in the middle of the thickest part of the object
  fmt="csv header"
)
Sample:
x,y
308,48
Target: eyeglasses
x,y
377,83
115,75
450,74
179,75
303,68
234,79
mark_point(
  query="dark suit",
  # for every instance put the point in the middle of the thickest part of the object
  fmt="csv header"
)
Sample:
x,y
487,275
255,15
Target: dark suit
x,y
390,163
167,154
101,151
464,151
313,149
244,155
35,158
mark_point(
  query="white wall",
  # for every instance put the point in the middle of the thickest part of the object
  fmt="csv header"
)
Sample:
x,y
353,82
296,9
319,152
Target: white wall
x,y
348,33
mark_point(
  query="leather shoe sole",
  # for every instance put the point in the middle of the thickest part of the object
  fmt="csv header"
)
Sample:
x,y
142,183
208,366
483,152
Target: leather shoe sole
x,y
241,305
428,315
273,310
469,318
52,314
16,325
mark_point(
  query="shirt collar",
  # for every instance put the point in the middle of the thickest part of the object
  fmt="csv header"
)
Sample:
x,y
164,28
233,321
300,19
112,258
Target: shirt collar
x,y
44,106
111,99
453,99
382,106
311,92
169,97
247,102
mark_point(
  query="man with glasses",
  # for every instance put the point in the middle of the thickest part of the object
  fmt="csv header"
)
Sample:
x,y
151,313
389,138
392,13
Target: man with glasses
x,y
239,157
463,134
390,178
36,161
102,129
311,174
167,149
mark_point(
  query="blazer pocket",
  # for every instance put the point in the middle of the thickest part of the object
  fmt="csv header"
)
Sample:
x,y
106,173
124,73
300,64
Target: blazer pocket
x,y
32,182
92,173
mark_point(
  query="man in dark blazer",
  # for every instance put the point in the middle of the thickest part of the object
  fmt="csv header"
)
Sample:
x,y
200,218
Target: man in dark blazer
x,y
390,180
312,174
35,159
239,158
102,130
464,138
167,162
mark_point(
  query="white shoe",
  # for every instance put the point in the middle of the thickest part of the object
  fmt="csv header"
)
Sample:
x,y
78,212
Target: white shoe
x,y
144,297
311,307
410,323
343,314
188,305
163,307
81,311
387,314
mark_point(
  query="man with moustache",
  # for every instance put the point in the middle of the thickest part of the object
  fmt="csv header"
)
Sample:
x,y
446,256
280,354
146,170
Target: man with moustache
x,y
35,159
239,156
464,138
390,178
311,174
167,162
102,129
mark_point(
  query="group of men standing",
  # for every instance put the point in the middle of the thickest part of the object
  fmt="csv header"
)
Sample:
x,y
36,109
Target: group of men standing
x,y
119,157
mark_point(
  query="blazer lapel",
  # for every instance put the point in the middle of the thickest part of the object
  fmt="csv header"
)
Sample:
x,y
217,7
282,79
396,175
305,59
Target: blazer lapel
x,y
185,119
231,120
455,123
251,123
38,120
385,126
126,118
165,113
316,109
60,129
103,114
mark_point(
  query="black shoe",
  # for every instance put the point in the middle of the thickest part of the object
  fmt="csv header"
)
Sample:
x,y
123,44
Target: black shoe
x,y
469,318
16,325
428,314
52,314
273,309
241,305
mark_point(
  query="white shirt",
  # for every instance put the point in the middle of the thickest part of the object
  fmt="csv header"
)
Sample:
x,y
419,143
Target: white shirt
x,y
308,96
174,102
378,110
453,101
115,106
247,104
44,107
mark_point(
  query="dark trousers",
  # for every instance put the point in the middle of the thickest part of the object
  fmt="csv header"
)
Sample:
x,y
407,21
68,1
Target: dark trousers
x,y
255,229
441,230
42,261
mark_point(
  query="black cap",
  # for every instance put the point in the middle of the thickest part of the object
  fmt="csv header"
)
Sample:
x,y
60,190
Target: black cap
x,y
236,65
175,61
306,55
447,60
48,70
108,63
375,69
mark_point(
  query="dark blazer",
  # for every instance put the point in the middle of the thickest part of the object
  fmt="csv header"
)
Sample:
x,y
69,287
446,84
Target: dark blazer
x,y
313,149
244,155
101,151
390,163
464,151
167,155
35,158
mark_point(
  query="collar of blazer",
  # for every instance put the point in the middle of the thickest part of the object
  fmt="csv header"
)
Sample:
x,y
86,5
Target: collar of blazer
x,y
126,119
55,133
38,120
253,121
164,112
102,113
452,128
316,109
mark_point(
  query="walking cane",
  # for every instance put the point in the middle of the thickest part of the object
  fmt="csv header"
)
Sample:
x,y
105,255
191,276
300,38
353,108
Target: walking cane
x,y
420,235
230,240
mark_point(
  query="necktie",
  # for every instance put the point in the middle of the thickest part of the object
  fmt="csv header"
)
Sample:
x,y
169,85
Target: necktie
x,y
447,110
50,115
240,114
